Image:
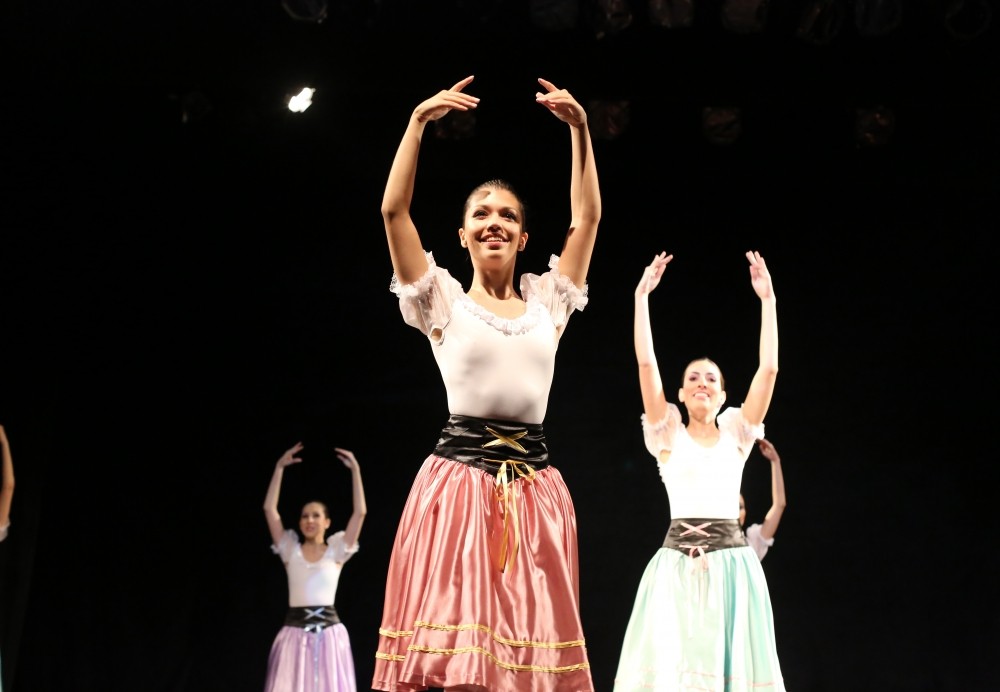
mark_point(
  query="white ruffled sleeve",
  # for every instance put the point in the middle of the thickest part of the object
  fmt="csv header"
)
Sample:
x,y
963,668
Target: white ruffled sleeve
x,y
732,422
341,551
287,545
426,303
758,542
659,435
555,291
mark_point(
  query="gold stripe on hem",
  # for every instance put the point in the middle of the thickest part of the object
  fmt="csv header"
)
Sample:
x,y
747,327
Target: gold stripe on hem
x,y
390,657
520,667
496,637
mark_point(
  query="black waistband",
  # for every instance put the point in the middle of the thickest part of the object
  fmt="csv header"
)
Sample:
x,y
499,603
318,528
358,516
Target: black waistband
x,y
486,444
312,618
696,536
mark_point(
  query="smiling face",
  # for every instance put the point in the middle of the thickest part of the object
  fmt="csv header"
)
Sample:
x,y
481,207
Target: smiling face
x,y
493,229
702,391
313,522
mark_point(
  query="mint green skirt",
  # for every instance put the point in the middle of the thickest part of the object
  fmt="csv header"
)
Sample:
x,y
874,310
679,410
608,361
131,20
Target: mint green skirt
x,y
701,623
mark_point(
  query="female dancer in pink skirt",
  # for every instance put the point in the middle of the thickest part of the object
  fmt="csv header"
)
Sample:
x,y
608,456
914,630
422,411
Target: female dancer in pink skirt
x,y
483,587
6,488
6,483
312,652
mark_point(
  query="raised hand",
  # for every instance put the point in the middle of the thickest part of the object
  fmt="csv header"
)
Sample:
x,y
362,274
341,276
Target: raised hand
x,y
561,103
760,278
768,450
445,101
347,457
652,274
289,456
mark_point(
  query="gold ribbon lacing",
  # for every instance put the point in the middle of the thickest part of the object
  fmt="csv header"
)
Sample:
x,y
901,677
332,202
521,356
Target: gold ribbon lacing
x,y
506,440
507,494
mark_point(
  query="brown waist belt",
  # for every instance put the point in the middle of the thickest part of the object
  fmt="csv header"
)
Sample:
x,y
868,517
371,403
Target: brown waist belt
x,y
699,536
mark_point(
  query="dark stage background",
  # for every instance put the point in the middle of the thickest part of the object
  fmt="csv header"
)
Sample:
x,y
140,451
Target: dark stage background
x,y
182,300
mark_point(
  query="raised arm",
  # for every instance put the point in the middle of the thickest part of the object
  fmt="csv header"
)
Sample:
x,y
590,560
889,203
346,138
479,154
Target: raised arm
x,y
762,386
654,401
405,247
360,508
773,516
7,490
584,190
274,524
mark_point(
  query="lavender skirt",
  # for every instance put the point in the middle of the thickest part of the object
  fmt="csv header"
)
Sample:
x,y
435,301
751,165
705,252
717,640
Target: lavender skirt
x,y
311,661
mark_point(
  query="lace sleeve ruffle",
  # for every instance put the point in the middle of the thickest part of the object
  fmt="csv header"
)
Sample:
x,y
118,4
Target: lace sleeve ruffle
x,y
287,545
341,551
426,303
555,291
731,421
659,435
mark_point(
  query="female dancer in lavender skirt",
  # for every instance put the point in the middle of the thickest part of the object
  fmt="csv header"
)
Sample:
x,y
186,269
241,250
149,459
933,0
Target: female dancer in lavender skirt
x,y
312,652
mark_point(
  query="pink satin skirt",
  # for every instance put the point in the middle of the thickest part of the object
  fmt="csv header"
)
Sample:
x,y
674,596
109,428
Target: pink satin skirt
x,y
483,586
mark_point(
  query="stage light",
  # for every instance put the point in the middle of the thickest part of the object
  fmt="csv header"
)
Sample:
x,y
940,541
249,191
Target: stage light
x,y
873,126
671,14
744,16
875,18
967,19
300,101
554,15
820,22
608,120
306,10
611,17
723,125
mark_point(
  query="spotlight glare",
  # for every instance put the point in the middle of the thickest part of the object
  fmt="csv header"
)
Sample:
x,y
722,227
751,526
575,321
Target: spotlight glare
x,y
301,101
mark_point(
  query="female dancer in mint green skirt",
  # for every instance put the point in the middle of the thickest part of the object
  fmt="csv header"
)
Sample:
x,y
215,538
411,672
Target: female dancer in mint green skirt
x,y
702,616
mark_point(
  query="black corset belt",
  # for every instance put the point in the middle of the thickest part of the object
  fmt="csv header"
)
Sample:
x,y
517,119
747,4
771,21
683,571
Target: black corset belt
x,y
489,444
699,536
312,618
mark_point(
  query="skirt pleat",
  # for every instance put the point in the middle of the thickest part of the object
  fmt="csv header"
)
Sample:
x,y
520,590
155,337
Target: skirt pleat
x,y
304,661
701,624
455,614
